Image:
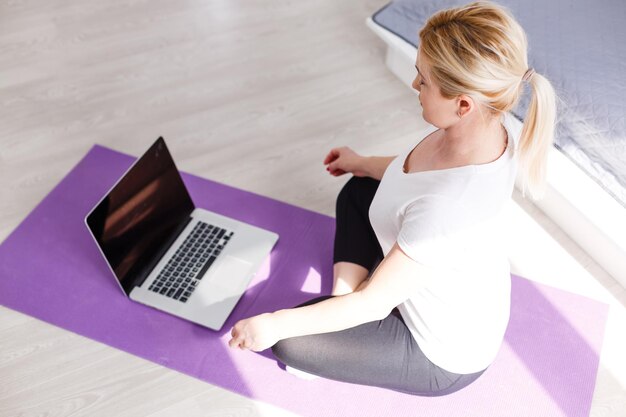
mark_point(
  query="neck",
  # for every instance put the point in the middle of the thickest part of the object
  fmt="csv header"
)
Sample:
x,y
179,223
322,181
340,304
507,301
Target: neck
x,y
471,137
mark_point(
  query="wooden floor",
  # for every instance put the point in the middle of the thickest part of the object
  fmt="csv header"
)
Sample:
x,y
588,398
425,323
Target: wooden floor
x,y
249,93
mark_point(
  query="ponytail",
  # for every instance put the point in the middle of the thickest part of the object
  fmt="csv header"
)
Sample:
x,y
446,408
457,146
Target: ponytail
x,y
537,136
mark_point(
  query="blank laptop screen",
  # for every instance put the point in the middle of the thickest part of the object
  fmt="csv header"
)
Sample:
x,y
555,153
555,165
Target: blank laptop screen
x,y
141,216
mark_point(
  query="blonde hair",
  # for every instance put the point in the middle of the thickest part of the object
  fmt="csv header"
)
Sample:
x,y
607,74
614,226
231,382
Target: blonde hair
x,y
480,50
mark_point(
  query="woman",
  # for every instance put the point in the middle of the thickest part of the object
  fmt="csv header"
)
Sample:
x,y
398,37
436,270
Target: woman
x,y
425,224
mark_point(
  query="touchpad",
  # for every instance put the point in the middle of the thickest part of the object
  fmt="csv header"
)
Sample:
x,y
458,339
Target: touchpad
x,y
232,274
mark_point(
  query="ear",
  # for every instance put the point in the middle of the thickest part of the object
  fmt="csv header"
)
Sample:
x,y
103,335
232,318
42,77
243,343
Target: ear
x,y
465,105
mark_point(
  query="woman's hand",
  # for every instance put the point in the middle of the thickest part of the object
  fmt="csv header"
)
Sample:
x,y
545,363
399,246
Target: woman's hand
x,y
342,160
255,333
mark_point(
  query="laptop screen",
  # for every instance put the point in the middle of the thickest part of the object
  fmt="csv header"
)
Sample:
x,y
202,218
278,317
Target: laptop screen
x,y
141,216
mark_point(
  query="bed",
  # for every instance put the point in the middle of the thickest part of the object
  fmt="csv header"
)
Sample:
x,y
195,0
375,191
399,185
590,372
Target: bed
x,y
579,46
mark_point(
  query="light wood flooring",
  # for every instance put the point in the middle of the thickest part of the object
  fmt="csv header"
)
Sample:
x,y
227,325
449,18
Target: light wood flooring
x,y
249,93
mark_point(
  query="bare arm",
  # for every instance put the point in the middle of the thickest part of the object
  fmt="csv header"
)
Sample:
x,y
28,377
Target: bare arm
x,y
375,166
343,160
394,280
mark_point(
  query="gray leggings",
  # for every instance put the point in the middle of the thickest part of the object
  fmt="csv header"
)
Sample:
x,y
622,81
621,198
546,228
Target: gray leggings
x,y
380,353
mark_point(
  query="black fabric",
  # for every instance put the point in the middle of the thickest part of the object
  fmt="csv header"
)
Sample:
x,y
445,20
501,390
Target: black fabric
x,y
380,353
355,240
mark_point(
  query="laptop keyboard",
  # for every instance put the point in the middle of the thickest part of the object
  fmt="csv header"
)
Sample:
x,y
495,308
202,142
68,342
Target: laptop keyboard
x,y
185,269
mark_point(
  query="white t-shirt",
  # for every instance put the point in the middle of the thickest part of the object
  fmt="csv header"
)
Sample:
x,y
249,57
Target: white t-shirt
x,y
450,221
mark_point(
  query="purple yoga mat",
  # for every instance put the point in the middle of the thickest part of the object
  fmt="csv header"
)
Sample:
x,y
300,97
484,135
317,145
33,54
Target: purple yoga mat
x,y
546,367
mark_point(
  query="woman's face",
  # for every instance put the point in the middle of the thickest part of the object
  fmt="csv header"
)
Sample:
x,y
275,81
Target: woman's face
x,y
437,110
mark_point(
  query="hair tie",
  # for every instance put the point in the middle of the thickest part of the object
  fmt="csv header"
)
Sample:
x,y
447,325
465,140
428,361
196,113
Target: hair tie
x,y
529,73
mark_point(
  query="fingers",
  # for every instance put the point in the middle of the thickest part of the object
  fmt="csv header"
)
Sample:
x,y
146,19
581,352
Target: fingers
x,y
331,160
336,172
237,339
240,343
233,342
331,168
237,343
339,157
332,155
246,344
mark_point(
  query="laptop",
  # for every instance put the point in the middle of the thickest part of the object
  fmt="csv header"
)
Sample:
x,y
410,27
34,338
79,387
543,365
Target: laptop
x,y
168,254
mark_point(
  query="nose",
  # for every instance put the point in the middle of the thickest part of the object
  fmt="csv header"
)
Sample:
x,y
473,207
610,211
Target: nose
x,y
416,84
